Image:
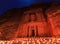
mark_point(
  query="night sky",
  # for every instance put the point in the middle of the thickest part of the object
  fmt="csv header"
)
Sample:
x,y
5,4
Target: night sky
x,y
8,4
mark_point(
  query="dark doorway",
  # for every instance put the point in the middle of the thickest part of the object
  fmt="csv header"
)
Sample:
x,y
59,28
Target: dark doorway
x,y
33,33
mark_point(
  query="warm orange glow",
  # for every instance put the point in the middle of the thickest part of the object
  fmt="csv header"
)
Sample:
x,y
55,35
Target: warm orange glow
x,y
33,24
54,19
32,41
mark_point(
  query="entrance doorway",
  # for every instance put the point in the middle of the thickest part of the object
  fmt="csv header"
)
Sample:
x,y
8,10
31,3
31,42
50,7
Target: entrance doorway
x,y
33,33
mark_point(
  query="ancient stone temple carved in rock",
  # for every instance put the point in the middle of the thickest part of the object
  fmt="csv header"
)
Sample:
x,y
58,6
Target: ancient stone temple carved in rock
x,y
33,24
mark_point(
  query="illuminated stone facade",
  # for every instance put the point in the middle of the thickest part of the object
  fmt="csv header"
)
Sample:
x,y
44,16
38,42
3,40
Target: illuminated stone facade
x,y
33,24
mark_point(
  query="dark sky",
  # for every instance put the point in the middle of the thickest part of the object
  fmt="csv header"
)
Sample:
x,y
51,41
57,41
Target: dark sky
x,y
8,4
